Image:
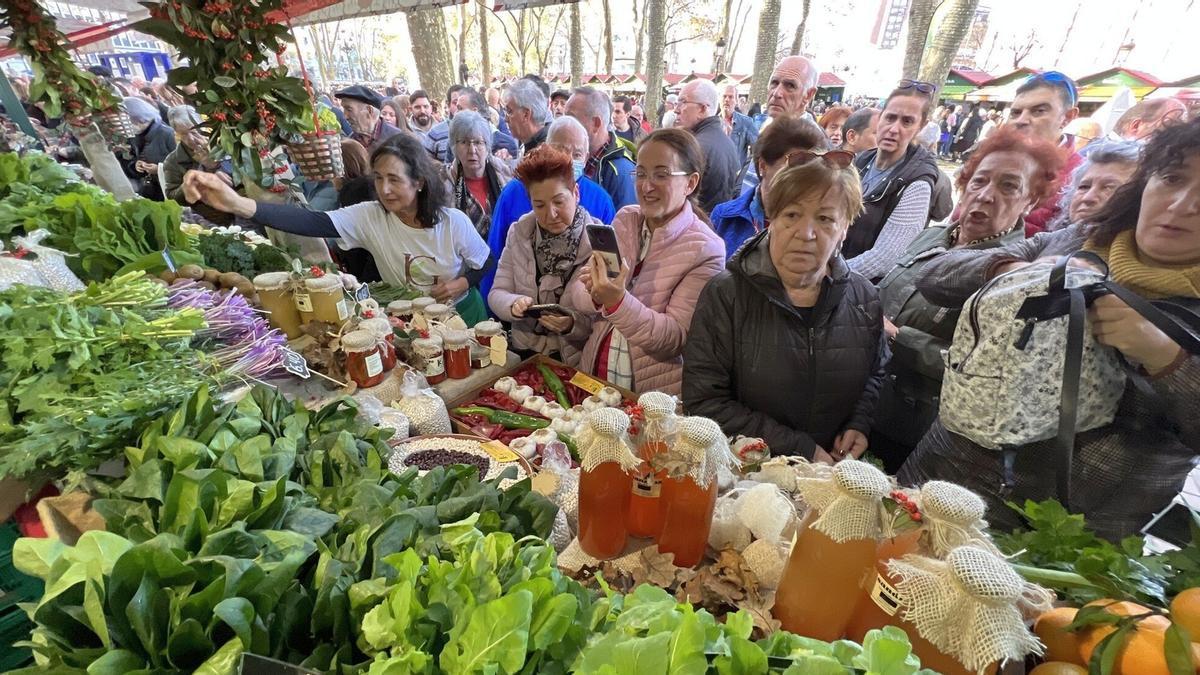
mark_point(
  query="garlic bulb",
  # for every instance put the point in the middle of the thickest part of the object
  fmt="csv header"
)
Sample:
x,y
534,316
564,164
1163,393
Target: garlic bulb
x,y
610,397
525,447
553,410
562,425
534,403
592,403
505,385
544,436
520,393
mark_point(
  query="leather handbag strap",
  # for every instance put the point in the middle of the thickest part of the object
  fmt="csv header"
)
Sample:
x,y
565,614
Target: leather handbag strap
x,y
1058,275
1184,337
1069,404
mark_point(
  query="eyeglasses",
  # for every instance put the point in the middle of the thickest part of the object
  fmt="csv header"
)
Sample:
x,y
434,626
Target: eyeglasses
x,y
923,87
1056,80
472,143
659,176
834,159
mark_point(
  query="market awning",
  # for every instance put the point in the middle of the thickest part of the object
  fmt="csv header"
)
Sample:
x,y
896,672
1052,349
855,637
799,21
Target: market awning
x,y
1102,86
962,81
1002,88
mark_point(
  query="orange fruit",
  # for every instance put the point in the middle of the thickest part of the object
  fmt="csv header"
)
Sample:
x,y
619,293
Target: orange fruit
x,y
1143,652
1050,628
1059,668
1185,612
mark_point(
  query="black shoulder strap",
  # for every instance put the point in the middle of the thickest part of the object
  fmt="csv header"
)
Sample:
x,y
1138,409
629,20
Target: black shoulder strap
x,y
1068,408
1184,337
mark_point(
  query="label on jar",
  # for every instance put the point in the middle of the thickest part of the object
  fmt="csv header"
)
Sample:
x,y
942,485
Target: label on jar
x,y
342,311
647,485
885,595
303,302
374,364
499,451
434,365
589,384
498,350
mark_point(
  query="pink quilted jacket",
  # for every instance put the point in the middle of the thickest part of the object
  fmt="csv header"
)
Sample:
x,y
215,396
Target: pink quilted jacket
x,y
657,311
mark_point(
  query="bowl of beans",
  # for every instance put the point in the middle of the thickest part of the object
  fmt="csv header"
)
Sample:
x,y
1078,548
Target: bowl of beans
x,y
425,453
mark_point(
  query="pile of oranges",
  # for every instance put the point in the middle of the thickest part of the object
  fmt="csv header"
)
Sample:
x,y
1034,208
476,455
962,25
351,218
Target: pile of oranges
x,y
1068,653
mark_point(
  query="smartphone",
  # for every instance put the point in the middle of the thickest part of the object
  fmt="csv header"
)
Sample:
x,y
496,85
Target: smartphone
x,y
1174,524
538,311
604,241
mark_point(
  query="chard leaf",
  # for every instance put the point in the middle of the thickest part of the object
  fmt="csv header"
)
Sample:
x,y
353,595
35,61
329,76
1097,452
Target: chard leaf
x,y
495,638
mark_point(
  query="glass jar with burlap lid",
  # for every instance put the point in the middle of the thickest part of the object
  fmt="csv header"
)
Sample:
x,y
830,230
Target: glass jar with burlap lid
x,y
656,436
834,550
486,330
327,299
605,481
965,614
401,309
275,295
364,363
437,313
949,516
429,353
382,330
457,350
690,493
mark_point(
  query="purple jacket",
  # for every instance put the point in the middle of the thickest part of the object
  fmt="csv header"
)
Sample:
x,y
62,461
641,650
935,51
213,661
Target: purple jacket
x,y
657,311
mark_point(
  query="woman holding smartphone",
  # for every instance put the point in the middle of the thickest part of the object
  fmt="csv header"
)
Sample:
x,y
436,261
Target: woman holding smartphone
x,y
640,316
543,252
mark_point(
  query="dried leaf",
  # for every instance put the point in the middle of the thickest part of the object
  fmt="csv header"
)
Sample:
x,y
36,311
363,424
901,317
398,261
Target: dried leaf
x,y
759,609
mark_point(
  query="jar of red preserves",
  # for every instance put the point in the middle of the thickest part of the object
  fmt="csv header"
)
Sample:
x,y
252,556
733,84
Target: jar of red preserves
x,y
364,363
458,354
382,330
486,330
433,364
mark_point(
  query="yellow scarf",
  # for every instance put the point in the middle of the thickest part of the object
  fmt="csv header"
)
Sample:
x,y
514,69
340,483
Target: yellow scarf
x,y
1148,281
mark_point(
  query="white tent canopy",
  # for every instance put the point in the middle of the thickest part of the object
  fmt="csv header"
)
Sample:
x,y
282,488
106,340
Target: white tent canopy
x,y
1108,114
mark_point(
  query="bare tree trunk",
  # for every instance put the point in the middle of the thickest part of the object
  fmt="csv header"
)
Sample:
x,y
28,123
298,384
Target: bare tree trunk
x,y
576,47
799,39
950,34
106,171
608,38
434,66
485,58
639,53
462,37
719,62
656,23
920,17
764,56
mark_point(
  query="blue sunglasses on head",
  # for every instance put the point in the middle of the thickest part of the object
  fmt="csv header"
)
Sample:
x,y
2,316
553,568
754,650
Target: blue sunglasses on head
x,y
1056,79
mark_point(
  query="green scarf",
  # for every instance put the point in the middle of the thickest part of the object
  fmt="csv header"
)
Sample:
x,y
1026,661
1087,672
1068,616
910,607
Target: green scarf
x,y
1149,281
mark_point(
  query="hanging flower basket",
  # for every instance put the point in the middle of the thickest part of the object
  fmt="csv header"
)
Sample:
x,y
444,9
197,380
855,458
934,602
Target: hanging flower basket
x,y
319,155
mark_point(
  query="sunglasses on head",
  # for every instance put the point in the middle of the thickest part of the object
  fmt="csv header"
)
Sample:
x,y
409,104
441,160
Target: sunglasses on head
x,y
923,87
1056,79
836,159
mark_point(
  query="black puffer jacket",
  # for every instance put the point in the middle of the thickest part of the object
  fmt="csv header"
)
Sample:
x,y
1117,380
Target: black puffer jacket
x,y
759,367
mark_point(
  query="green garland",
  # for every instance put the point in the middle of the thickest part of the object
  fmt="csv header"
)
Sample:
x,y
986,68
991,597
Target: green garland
x,y
249,106
58,84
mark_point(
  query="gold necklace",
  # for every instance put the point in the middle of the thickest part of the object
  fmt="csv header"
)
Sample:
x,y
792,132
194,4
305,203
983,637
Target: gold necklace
x,y
955,231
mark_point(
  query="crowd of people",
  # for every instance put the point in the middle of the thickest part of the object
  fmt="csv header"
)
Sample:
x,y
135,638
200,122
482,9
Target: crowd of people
x,y
794,270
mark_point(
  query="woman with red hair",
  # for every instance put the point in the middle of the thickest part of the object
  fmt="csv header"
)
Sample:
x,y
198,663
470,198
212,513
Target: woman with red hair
x,y
831,123
1006,177
543,252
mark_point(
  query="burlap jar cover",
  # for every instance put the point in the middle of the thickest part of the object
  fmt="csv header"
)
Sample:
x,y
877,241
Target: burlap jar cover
x,y
604,437
703,448
659,409
952,516
970,605
849,501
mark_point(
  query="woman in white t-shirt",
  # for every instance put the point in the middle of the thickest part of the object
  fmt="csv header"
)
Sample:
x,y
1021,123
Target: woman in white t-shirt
x,y
417,240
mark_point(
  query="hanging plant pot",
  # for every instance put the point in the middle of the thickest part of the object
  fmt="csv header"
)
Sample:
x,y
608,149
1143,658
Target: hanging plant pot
x,y
319,155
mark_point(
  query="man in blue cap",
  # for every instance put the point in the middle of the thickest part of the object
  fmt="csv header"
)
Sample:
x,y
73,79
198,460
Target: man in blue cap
x,y
362,106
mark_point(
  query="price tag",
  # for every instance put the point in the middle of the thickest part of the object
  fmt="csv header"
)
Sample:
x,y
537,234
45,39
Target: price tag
x,y
498,350
295,364
260,665
362,293
499,451
170,261
589,384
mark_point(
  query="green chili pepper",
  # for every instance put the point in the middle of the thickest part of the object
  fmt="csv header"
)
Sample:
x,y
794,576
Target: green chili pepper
x,y
504,418
555,385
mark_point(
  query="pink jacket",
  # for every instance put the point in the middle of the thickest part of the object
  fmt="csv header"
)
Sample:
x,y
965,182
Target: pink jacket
x,y
657,311
516,277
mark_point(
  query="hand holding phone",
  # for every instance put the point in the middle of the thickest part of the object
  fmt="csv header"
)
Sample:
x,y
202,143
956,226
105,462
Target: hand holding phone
x,y
549,309
604,243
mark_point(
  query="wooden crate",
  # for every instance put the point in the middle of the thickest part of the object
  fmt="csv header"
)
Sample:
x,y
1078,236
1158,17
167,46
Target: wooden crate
x,y
471,394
